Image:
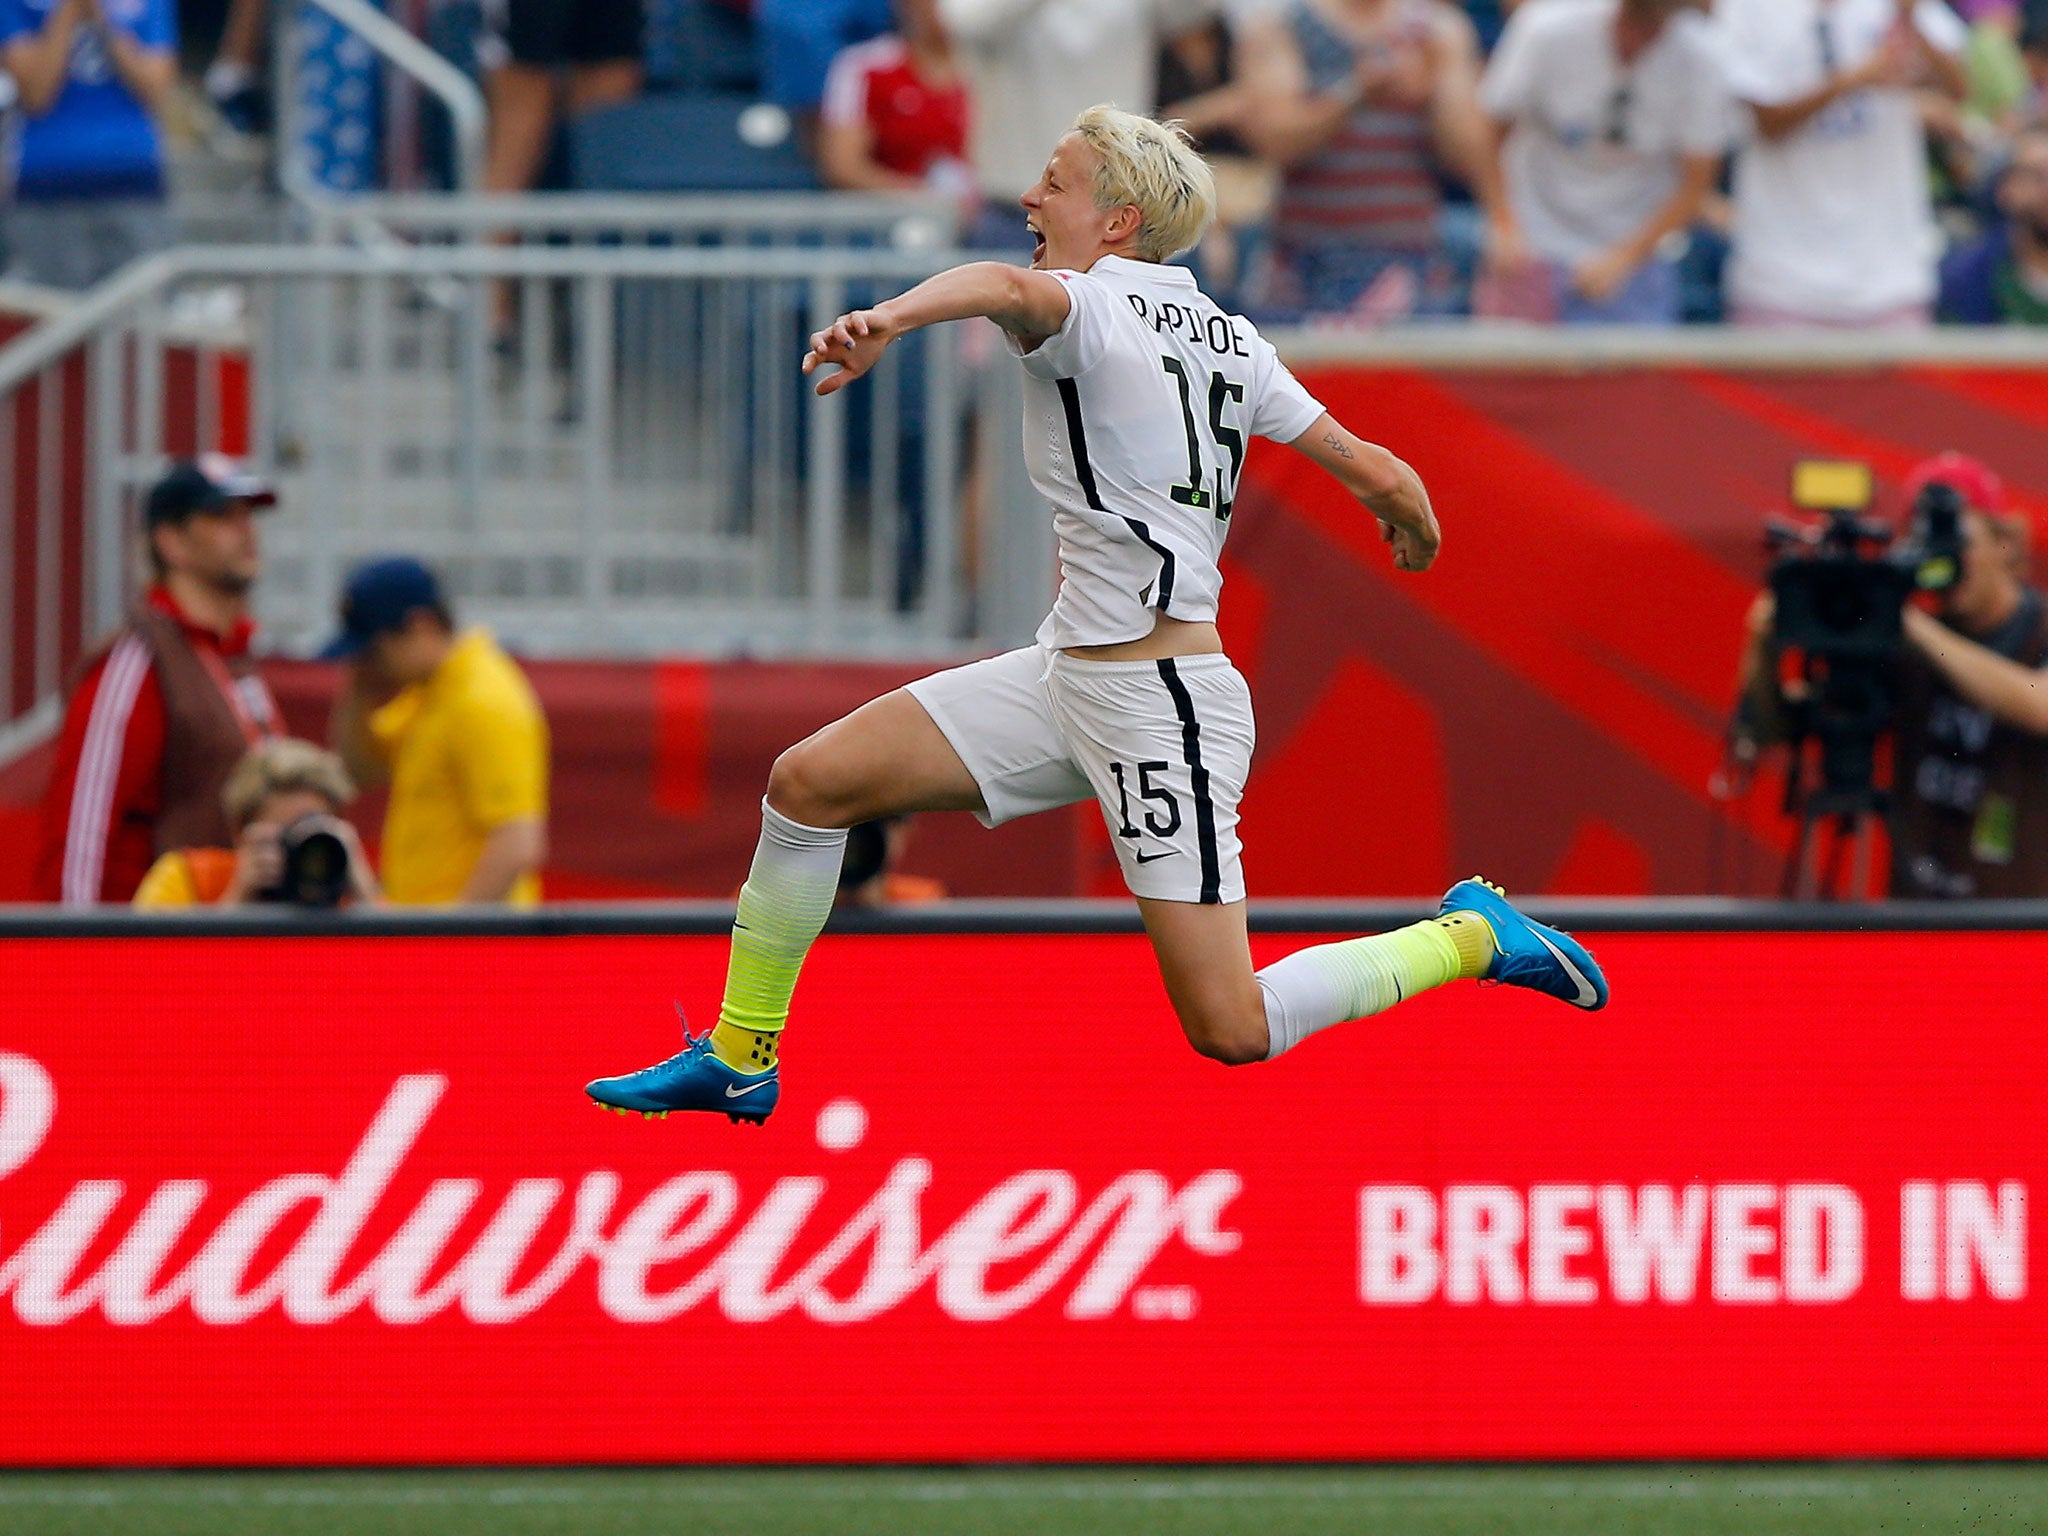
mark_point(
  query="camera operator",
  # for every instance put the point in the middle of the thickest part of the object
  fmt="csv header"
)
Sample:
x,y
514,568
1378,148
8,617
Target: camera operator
x,y
1969,806
1971,814
284,801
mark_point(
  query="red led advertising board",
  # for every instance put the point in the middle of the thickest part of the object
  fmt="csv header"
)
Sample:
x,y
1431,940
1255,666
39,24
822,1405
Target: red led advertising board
x,y
342,1200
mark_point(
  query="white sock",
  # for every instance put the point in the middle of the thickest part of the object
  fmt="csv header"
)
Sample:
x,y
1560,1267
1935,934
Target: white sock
x,y
1327,984
791,847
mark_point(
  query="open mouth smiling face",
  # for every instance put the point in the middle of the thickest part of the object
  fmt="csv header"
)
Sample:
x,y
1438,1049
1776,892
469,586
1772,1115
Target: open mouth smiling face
x,y
1059,207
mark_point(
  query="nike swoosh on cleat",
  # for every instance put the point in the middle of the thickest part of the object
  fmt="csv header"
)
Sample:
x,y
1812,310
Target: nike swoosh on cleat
x,y
1148,858
740,1093
1587,995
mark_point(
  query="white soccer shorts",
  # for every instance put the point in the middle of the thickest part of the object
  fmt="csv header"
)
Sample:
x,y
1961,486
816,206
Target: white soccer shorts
x,y
1163,746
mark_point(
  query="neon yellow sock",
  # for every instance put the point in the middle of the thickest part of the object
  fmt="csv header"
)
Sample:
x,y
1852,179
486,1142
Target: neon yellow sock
x,y
1327,984
746,1050
1474,938
782,909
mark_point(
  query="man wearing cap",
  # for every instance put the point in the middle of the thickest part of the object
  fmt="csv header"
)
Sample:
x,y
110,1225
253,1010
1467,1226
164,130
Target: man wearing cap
x,y
450,720
1969,814
163,711
1970,811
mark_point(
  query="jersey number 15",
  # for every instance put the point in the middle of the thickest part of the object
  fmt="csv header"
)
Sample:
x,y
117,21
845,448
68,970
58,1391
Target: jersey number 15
x,y
1223,438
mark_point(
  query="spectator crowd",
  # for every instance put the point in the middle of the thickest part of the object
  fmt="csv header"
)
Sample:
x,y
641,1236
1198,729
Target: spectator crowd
x,y
1816,163
1808,163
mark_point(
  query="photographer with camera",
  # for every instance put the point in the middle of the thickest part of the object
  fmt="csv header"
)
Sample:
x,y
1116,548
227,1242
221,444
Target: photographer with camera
x,y
1962,692
1971,817
284,801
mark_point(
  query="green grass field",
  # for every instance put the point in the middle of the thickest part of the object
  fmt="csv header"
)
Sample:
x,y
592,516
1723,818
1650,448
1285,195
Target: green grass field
x,y
1859,1498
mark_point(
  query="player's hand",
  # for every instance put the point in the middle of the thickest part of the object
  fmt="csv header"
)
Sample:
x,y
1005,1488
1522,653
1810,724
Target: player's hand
x,y
1413,551
855,342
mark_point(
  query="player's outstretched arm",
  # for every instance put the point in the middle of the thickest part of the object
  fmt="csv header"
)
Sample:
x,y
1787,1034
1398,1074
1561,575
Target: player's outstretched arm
x,y
1391,491
1029,305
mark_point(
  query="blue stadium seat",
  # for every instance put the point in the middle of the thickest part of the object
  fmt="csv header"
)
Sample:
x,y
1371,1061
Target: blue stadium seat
x,y
682,143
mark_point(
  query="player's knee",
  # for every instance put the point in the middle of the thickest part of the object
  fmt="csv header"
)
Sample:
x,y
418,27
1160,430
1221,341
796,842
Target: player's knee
x,y
796,788
1232,1036
803,787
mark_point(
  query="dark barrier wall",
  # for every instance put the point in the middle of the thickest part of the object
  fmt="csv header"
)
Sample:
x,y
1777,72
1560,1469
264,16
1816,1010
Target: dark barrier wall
x,y
1547,705
340,1199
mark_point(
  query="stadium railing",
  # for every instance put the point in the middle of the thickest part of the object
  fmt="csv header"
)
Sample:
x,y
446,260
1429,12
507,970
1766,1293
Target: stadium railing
x,y
632,465
637,467
863,220
417,66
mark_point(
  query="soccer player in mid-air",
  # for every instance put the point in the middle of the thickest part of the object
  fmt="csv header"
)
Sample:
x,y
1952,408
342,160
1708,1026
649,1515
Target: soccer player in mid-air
x,y
1139,396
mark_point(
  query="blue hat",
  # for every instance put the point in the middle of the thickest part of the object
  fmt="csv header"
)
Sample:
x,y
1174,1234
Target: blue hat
x,y
378,598
205,484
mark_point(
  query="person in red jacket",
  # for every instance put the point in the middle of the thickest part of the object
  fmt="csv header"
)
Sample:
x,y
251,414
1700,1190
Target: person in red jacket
x,y
164,710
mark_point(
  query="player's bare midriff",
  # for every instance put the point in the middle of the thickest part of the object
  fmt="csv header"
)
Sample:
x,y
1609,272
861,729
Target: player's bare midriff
x,y
1169,637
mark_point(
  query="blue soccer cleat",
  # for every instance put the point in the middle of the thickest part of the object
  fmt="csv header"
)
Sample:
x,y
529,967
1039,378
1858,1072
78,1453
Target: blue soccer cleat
x,y
691,1079
1527,954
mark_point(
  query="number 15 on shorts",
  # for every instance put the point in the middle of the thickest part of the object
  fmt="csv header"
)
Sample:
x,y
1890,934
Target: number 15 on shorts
x,y
1159,826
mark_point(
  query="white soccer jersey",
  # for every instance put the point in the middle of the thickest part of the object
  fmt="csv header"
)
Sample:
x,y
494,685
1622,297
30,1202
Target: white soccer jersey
x,y
1135,420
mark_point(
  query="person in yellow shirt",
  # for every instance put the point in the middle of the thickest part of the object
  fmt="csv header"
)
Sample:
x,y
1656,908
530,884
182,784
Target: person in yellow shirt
x,y
453,724
281,790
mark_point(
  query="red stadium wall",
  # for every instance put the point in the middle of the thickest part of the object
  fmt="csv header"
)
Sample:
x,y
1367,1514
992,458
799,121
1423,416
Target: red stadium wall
x,y
342,1200
1547,705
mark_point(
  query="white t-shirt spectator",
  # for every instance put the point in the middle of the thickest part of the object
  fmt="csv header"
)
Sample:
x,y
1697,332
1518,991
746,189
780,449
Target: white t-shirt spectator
x,y
1596,145
1035,65
1832,222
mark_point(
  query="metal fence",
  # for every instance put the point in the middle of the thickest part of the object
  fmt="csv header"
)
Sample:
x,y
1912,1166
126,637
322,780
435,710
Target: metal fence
x,y
805,220
598,431
409,68
606,451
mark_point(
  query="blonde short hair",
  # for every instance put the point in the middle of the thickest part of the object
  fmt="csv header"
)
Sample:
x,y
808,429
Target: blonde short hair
x,y
282,766
1152,165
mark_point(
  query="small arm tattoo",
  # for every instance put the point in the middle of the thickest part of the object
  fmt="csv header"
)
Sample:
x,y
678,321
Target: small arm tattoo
x,y
1337,444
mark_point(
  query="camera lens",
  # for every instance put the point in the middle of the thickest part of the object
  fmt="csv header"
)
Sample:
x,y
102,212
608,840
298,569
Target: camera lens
x,y
315,862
